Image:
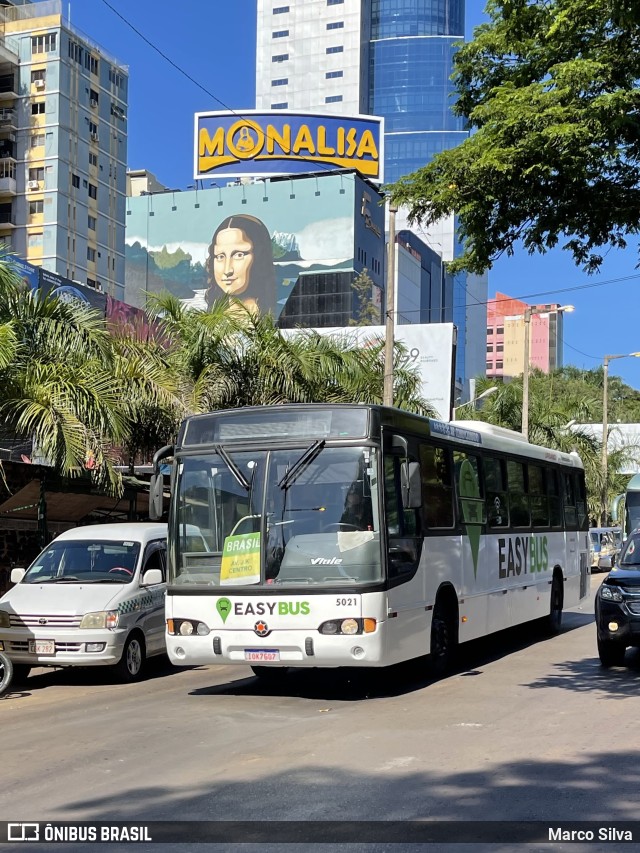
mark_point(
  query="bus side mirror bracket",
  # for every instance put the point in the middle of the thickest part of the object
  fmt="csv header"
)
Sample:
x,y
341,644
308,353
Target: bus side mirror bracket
x,y
411,485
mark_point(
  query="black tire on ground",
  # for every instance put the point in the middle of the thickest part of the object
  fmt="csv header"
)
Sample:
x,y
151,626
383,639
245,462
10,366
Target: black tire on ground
x,y
444,638
6,674
270,673
21,672
131,665
553,622
611,652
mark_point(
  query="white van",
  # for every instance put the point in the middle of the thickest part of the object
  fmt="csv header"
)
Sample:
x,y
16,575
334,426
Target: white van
x,y
94,596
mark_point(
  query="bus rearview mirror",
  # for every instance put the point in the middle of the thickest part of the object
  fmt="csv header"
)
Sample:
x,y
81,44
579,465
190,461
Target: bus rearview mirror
x,y
410,483
156,497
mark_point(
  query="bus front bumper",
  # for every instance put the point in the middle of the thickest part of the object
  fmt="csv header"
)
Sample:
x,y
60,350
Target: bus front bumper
x,y
280,648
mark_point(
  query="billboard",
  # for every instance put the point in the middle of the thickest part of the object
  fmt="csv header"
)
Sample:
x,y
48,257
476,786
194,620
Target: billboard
x,y
267,244
431,349
286,143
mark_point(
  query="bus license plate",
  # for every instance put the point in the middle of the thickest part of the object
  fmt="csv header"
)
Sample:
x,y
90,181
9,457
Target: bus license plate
x,y
42,647
262,654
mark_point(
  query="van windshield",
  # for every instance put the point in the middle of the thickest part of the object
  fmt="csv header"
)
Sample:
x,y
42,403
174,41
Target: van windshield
x,y
83,561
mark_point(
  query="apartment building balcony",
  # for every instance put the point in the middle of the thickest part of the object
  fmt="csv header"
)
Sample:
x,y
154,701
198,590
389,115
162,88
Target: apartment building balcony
x,y
7,119
8,87
7,177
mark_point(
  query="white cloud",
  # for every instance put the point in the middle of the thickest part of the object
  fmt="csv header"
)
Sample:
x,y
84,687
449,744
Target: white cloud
x,y
329,238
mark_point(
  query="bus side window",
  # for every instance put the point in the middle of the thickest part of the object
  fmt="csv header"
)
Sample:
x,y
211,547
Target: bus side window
x,y
495,485
555,500
580,492
437,486
538,497
403,525
471,509
518,494
569,499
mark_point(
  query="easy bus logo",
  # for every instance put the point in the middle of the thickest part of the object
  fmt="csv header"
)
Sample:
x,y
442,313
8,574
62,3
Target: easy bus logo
x,y
225,607
519,555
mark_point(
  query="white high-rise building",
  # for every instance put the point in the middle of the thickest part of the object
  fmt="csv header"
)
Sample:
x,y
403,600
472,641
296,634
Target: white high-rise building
x,y
63,146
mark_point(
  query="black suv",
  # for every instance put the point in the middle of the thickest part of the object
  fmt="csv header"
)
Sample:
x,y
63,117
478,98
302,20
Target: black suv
x,y
618,605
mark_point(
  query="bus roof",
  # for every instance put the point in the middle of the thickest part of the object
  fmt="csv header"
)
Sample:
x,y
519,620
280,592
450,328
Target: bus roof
x,y
309,421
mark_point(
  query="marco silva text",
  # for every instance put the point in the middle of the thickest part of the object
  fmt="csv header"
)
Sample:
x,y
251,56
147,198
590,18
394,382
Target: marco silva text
x,y
602,833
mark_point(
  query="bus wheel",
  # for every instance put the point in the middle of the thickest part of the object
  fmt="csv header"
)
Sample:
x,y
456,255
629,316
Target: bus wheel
x,y
611,652
554,619
274,674
444,638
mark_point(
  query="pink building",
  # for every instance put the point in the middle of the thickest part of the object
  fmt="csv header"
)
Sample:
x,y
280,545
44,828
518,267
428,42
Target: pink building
x,y
505,336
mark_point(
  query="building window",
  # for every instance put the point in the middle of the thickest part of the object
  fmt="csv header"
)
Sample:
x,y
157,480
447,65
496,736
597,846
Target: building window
x,y
76,52
338,49
36,140
499,347
34,240
283,106
500,330
335,2
489,347
93,131
91,223
281,82
499,365
36,207
280,57
43,44
39,75
336,25
489,366
93,97
115,78
93,191
331,75
91,63
93,159
279,10
279,34
75,180
36,174
91,254
37,108
333,99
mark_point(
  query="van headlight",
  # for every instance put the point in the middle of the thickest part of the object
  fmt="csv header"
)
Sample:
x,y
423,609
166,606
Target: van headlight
x,y
5,621
100,619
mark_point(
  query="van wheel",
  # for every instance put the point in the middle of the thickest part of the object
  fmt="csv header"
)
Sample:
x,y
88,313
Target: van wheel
x,y
132,663
272,674
444,638
6,673
21,672
611,652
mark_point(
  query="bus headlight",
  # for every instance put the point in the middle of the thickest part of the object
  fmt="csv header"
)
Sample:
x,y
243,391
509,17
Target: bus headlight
x,y
348,626
100,619
186,627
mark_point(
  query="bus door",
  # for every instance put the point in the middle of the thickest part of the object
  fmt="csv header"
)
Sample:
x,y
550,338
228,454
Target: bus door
x,y
402,502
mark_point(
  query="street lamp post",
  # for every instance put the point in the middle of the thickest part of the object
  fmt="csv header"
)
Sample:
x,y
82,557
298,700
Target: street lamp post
x,y
605,428
528,312
387,392
484,394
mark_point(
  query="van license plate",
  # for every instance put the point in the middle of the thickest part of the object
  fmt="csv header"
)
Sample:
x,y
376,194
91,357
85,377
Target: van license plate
x,y
262,654
42,647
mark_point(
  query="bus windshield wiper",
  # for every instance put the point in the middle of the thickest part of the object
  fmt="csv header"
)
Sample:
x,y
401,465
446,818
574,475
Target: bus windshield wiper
x,y
231,465
298,467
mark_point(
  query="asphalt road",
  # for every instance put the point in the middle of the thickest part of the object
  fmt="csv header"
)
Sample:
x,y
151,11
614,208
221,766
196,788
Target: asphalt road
x,y
527,729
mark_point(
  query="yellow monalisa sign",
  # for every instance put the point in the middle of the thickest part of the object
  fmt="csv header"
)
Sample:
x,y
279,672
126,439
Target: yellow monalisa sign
x,y
286,143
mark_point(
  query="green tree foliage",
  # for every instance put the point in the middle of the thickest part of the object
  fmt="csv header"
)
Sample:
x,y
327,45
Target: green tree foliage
x,y
368,313
551,89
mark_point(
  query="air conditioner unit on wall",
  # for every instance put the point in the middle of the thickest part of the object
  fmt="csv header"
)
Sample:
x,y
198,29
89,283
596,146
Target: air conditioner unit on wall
x,y
33,185
39,84
94,137
93,102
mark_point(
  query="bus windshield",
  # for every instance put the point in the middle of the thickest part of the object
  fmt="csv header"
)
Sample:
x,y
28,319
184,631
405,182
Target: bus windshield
x,y
308,515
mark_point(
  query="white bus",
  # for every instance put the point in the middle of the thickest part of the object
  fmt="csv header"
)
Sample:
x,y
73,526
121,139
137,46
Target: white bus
x,y
356,535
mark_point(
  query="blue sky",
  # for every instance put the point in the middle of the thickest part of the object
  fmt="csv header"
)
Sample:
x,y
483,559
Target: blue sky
x,y
213,41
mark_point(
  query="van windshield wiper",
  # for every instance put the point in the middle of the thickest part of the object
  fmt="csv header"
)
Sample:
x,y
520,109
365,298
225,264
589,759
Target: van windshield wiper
x,y
292,474
231,465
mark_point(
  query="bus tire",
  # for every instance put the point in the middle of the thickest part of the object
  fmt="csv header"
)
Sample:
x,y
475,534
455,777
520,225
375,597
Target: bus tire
x,y
611,652
131,665
272,674
444,636
553,622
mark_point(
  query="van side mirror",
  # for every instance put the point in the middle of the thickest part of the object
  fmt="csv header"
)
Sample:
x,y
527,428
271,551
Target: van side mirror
x,y
156,497
411,485
151,577
17,575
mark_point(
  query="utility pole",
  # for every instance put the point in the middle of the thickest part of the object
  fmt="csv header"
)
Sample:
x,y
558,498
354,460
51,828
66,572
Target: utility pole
x,y
387,395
